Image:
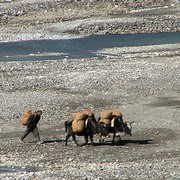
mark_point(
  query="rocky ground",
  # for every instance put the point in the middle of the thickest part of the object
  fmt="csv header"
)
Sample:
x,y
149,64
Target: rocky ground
x,y
22,20
143,83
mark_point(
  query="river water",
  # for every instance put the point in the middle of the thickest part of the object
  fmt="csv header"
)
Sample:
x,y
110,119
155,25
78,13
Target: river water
x,y
79,47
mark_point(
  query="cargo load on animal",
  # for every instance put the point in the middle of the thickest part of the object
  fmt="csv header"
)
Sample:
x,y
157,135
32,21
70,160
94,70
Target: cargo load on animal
x,y
113,122
79,122
83,124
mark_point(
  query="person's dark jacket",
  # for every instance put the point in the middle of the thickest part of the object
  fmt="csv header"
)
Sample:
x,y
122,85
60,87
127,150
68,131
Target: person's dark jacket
x,y
34,120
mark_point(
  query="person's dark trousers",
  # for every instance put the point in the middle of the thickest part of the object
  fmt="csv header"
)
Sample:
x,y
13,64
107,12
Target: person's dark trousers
x,y
34,130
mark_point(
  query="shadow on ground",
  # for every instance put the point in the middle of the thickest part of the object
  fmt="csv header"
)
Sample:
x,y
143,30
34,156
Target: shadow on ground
x,y
53,141
109,143
125,142
166,102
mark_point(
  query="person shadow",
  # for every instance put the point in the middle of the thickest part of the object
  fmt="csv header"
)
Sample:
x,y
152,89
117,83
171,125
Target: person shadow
x,y
53,141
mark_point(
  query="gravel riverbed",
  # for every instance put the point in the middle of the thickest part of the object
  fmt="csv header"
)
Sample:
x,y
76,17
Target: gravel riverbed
x,y
145,90
142,82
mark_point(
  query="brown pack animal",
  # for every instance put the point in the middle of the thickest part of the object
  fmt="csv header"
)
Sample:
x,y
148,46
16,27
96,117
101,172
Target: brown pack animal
x,y
91,127
115,126
27,115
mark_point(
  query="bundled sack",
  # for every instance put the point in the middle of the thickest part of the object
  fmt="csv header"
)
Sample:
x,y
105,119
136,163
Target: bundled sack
x,y
73,115
107,122
116,113
79,116
26,117
105,118
78,126
106,115
78,123
89,113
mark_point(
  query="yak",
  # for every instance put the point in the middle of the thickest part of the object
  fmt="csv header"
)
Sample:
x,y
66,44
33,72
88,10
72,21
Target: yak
x,y
118,127
91,127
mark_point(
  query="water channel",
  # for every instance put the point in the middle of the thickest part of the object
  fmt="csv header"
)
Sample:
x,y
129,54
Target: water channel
x,y
79,47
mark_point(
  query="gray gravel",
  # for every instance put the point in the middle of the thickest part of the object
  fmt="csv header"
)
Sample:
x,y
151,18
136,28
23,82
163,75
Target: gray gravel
x,y
145,89
142,82
27,20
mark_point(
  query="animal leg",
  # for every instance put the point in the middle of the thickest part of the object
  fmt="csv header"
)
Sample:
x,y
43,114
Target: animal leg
x,y
74,139
100,138
86,140
67,137
114,135
69,132
118,136
91,139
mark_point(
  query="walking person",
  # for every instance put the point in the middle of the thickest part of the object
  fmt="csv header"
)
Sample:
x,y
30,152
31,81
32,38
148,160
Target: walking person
x,y
32,126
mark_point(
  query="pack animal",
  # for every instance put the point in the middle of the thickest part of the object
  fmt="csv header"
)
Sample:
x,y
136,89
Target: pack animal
x,y
82,124
113,123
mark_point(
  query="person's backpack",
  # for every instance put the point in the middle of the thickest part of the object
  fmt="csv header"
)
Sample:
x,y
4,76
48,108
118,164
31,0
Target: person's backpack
x,y
27,115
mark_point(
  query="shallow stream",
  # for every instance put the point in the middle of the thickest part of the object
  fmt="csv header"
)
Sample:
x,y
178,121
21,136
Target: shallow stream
x,y
79,47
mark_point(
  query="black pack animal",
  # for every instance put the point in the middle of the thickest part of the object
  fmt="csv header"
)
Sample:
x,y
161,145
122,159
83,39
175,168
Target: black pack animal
x,y
118,127
91,128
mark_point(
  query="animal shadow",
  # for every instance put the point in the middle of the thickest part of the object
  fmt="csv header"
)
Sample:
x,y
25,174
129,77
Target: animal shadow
x,y
125,142
145,141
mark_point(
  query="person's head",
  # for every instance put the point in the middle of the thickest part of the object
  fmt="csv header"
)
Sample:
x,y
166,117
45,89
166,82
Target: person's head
x,y
39,112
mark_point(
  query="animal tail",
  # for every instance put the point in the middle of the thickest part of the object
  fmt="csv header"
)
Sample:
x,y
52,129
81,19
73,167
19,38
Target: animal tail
x,y
65,125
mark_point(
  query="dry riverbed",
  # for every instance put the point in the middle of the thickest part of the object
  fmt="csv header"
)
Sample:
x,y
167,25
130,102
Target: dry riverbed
x,y
144,89
142,82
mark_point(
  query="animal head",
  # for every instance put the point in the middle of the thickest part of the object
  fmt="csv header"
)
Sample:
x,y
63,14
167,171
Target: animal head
x,y
128,128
